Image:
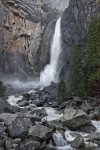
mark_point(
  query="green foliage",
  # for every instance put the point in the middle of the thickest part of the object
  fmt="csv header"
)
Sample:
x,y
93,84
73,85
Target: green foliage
x,y
93,56
62,92
2,89
77,76
85,68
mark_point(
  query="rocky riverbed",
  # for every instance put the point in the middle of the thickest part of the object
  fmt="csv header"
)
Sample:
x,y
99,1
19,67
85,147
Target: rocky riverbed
x,y
35,120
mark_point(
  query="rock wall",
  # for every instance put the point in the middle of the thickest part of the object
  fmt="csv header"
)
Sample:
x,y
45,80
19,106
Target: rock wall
x,y
22,26
75,24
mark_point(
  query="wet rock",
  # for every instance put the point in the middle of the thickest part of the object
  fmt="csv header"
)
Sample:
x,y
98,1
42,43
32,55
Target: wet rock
x,y
58,139
8,143
56,124
42,145
40,132
90,128
86,107
1,143
51,89
55,104
33,118
14,109
74,119
17,126
39,112
31,145
93,137
78,142
23,103
63,105
26,95
78,101
21,147
17,141
96,114
1,148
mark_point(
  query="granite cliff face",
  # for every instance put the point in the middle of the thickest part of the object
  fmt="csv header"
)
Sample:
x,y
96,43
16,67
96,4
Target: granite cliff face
x,y
26,31
75,24
22,25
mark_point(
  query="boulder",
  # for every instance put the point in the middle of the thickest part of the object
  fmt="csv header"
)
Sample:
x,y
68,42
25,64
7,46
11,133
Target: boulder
x,y
56,124
78,142
77,101
21,147
8,143
1,148
32,145
63,105
87,107
51,89
93,137
33,118
17,126
55,104
40,132
23,103
74,119
90,128
40,112
58,139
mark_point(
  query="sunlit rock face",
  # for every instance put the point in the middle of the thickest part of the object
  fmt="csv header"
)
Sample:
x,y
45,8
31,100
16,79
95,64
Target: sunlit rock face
x,y
75,24
22,26
20,36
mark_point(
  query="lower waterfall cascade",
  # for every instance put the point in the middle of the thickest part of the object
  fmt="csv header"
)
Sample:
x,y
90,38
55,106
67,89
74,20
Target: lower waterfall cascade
x,y
51,71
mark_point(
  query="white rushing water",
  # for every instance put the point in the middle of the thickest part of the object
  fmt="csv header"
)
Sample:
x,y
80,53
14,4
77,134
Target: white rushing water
x,y
50,73
52,114
12,100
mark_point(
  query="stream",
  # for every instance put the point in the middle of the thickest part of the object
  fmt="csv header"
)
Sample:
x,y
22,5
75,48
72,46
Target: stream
x,y
62,143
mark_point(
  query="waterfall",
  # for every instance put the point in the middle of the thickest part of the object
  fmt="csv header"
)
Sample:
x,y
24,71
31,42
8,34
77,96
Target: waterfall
x,y
51,71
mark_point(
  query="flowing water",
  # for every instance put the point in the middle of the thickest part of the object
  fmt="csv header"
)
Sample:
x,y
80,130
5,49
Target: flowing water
x,y
61,143
50,72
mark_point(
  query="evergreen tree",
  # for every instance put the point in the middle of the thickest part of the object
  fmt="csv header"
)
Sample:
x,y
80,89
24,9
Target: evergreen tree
x,y
93,57
62,92
77,76
2,89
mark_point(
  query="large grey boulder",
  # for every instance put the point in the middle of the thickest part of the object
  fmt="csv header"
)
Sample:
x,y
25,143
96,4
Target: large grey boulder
x,y
90,128
17,126
78,142
74,119
40,132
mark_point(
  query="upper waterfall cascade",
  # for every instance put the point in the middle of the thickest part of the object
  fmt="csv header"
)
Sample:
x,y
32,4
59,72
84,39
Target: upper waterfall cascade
x,y
51,71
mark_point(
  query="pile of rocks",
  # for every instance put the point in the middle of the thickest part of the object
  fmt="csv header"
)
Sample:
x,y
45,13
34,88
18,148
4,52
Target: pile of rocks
x,y
26,126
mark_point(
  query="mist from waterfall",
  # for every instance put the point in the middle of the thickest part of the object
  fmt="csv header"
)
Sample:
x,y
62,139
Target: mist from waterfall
x,y
51,71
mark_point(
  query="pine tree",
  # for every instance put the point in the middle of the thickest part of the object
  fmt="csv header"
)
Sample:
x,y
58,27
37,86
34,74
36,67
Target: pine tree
x,y
93,56
77,76
62,92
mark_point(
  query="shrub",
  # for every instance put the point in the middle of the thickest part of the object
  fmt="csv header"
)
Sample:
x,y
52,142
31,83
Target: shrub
x,y
62,92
